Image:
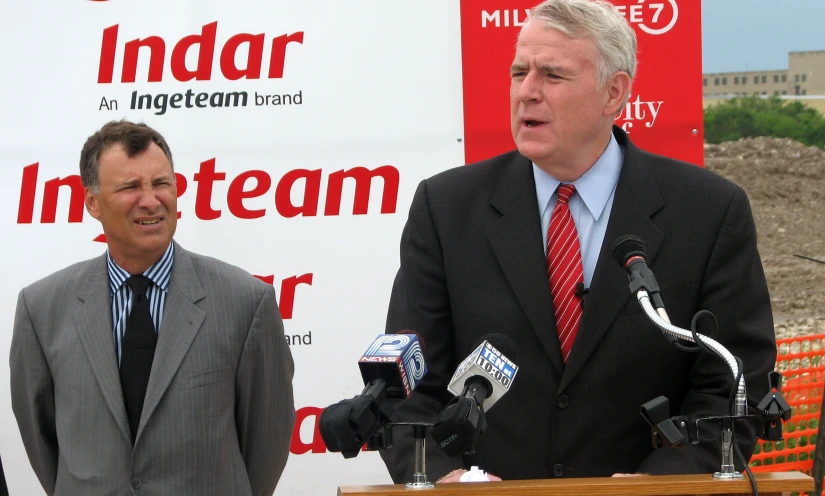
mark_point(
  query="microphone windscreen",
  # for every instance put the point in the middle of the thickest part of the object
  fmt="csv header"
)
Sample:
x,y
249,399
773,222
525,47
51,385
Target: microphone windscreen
x,y
396,359
491,360
628,246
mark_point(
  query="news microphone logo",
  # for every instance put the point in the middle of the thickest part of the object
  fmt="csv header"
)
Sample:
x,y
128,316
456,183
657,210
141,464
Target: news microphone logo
x,y
490,362
391,357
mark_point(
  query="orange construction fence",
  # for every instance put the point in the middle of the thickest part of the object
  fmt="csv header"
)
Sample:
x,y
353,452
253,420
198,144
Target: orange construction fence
x,y
801,360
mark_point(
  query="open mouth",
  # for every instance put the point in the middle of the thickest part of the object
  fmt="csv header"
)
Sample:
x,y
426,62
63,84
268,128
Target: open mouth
x,y
533,123
148,222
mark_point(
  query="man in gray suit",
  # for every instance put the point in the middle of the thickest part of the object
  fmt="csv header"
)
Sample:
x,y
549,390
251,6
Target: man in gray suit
x,y
149,369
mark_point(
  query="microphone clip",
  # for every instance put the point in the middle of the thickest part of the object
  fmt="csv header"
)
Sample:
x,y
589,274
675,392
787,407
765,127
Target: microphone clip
x,y
667,431
457,427
641,277
773,410
349,424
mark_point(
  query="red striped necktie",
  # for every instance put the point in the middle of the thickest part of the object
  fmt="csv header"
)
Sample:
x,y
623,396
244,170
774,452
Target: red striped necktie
x,y
564,269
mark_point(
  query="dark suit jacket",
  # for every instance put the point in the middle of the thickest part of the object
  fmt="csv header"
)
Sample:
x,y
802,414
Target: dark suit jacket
x,y
219,409
4,491
472,263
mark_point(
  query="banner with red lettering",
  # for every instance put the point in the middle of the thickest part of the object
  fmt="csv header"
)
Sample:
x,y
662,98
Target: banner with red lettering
x,y
664,112
299,132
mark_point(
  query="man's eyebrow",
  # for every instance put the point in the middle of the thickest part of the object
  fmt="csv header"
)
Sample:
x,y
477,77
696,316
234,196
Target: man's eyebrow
x,y
518,67
128,182
555,69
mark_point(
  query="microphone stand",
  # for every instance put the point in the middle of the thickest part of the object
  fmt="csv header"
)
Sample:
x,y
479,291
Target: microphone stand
x,y
727,470
630,252
420,463
420,467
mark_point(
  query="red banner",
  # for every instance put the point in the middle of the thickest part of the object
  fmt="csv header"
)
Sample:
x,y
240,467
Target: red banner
x,y
664,112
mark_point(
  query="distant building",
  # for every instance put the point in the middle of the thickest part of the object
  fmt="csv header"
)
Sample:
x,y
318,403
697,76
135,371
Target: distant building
x,y
805,76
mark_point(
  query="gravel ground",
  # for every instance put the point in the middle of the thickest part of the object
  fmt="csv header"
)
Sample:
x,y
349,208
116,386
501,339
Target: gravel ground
x,y
784,181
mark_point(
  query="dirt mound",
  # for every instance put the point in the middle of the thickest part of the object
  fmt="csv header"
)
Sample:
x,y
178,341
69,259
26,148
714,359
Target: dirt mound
x,y
784,181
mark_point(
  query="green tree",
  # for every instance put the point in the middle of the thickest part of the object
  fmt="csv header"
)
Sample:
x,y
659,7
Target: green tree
x,y
751,116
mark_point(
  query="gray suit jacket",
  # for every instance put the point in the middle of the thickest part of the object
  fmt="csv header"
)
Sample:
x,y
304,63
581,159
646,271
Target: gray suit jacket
x,y
218,413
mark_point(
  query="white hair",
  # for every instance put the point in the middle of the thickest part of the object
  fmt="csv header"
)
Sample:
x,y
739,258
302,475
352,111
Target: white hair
x,y
598,20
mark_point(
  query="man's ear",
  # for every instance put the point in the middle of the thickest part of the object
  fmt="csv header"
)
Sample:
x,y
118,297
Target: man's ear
x,y
91,202
617,88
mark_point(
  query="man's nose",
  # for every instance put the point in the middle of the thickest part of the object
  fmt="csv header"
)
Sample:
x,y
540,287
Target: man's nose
x,y
148,198
529,88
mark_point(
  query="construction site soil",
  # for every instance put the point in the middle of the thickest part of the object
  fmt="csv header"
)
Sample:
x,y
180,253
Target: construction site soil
x,y
784,181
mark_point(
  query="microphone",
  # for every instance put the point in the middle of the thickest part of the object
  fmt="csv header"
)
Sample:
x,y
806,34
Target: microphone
x,y
478,383
391,368
630,252
396,359
581,292
488,365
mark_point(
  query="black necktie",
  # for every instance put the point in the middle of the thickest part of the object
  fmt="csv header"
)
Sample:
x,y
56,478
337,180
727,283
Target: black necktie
x,y
137,350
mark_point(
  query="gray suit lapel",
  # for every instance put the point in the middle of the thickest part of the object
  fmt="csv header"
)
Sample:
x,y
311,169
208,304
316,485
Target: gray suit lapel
x,y
93,321
517,243
181,322
637,198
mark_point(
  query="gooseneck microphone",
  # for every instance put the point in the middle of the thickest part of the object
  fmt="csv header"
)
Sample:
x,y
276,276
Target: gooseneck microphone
x,y
391,368
630,252
478,383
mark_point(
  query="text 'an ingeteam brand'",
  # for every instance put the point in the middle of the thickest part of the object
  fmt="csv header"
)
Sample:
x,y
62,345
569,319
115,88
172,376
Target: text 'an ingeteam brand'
x,y
264,59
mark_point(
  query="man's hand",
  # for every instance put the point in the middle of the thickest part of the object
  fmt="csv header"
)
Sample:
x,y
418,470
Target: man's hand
x,y
455,475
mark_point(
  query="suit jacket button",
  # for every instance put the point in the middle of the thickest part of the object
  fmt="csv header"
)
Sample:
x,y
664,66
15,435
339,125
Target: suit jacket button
x,y
136,483
561,401
558,470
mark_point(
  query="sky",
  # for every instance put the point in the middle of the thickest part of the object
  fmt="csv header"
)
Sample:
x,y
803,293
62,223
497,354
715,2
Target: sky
x,y
739,35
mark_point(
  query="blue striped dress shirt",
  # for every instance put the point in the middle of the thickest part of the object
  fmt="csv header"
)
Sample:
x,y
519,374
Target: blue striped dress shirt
x,y
159,273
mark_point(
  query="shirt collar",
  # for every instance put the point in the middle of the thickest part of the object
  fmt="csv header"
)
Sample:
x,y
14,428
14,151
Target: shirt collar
x,y
594,186
159,273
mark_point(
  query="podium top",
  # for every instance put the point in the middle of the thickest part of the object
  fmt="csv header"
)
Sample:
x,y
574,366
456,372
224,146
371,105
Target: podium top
x,y
660,485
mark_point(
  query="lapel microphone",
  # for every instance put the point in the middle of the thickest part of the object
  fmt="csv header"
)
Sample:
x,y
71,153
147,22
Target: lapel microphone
x,y
581,292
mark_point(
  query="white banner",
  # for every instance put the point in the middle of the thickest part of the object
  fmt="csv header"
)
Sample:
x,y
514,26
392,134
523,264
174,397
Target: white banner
x,y
299,131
